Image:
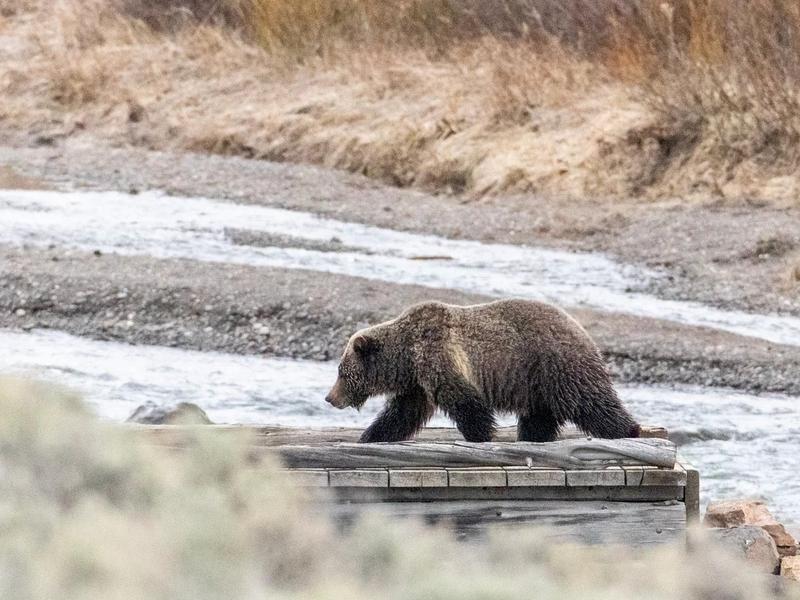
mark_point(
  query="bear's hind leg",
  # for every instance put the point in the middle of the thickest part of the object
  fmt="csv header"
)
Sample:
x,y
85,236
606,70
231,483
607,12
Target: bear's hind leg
x,y
541,426
475,421
404,415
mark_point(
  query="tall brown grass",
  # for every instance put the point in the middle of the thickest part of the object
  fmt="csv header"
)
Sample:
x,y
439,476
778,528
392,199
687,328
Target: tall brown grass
x,y
90,511
580,97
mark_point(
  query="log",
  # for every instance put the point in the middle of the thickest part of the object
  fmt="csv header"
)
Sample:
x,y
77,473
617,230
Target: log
x,y
173,435
565,454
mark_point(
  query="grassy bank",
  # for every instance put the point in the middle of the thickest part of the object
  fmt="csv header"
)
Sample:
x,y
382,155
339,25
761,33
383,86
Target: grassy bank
x,y
580,98
88,512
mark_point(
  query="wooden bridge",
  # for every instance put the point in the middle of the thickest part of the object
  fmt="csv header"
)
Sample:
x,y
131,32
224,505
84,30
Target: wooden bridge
x,y
629,491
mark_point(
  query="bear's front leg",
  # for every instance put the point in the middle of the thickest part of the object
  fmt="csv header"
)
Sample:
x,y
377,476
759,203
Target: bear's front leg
x,y
462,403
404,415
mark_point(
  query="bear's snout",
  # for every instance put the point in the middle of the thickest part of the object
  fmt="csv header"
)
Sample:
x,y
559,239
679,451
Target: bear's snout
x,y
335,396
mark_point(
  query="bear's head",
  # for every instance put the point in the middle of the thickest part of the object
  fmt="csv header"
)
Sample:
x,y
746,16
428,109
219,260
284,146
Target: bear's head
x,y
359,374
377,360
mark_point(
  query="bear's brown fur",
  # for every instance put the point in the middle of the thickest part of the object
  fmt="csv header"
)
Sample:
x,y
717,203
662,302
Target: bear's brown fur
x,y
512,356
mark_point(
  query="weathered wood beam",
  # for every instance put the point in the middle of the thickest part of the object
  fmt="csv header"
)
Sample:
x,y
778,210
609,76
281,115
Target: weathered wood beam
x,y
655,493
592,522
691,497
282,436
566,454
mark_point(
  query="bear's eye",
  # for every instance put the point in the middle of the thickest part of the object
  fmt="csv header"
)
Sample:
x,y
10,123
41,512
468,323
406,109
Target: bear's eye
x,y
341,370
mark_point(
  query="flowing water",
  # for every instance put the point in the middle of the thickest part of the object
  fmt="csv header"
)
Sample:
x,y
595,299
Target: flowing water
x,y
152,224
742,444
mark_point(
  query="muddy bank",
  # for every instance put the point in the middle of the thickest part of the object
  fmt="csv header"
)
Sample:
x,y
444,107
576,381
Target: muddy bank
x,y
733,256
307,314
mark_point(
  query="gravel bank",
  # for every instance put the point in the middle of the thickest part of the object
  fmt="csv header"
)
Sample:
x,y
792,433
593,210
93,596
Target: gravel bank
x,y
306,314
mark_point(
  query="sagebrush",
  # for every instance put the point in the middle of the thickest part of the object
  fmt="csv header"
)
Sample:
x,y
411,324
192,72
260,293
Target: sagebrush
x,y
89,510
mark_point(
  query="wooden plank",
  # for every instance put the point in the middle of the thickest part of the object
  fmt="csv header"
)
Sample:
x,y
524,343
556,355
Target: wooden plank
x,y
573,454
664,477
691,498
528,477
359,478
601,477
308,477
416,478
573,494
633,475
591,522
289,436
481,477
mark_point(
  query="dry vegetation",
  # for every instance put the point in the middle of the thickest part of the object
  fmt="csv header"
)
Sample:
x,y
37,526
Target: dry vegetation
x,y
88,512
578,97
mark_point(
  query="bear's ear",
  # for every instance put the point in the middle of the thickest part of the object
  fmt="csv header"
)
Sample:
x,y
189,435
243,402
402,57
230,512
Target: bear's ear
x,y
364,344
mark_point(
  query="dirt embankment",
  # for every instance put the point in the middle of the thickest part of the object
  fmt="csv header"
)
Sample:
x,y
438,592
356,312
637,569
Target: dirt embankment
x,y
585,100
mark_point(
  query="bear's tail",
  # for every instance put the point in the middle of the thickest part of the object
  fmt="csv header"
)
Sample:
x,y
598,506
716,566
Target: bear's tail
x,y
600,413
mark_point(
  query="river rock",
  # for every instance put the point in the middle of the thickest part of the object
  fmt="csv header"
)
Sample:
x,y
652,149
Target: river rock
x,y
184,413
790,567
735,513
750,542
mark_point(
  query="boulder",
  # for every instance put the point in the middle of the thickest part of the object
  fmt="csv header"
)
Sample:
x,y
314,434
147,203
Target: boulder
x,y
790,567
734,513
750,542
183,413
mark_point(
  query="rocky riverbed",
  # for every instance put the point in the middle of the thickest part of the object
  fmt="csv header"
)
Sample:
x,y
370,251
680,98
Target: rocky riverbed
x,y
308,314
688,303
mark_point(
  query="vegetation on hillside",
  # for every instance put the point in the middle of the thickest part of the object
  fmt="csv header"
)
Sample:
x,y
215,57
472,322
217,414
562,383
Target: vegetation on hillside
x,y
578,97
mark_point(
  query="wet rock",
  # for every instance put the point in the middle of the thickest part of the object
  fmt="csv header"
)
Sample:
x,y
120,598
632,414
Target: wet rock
x,y
790,567
184,413
751,543
260,239
735,513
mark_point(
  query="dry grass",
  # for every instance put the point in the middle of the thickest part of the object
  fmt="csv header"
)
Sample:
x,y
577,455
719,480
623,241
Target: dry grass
x,y
88,512
579,98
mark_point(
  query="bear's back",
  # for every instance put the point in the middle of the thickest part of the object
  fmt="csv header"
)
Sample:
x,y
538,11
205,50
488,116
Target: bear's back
x,y
513,327
524,318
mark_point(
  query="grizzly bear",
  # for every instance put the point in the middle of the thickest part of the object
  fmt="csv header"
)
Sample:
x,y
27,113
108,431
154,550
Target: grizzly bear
x,y
509,356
